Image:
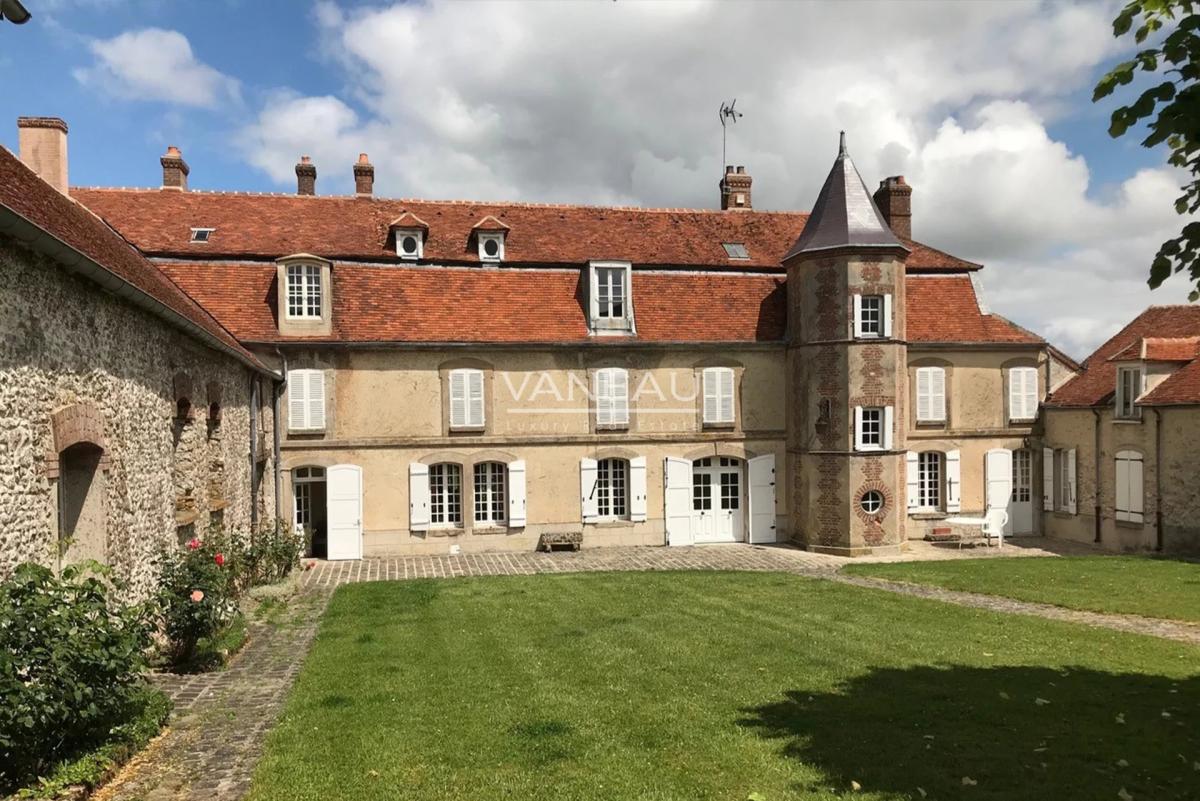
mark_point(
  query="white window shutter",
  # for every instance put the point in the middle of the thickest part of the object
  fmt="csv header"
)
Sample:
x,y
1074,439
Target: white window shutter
x,y
761,497
516,493
418,497
858,428
637,489
458,398
297,389
1136,490
620,397
913,480
725,394
589,504
937,393
1048,479
1074,506
953,481
924,393
887,316
889,420
711,396
604,401
475,398
677,500
1031,393
858,316
316,399
1122,499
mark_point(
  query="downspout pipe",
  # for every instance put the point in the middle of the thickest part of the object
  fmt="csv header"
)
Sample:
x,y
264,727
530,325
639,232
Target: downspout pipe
x,y
1096,459
255,479
278,406
1159,536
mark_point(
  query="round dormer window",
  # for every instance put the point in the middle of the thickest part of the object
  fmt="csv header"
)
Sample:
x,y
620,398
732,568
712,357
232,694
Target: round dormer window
x,y
491,247
408,244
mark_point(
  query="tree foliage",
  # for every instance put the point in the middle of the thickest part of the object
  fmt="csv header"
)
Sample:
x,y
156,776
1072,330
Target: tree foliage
x,y
1171,109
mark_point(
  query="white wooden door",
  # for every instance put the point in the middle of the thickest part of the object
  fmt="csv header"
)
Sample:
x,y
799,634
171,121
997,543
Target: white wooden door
x,y
677,500
717,493
1020,505
998,478
343,484
761,476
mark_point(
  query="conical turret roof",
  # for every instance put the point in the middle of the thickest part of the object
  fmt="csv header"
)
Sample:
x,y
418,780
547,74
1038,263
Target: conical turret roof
x,y
844,215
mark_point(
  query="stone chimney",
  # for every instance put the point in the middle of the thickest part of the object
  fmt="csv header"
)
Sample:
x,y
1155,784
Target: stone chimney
x,y
364,176
894,199
306,177
735,189
175,170
42,142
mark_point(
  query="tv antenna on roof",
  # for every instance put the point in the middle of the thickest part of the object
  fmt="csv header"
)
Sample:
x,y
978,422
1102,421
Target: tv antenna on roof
x,y
727,115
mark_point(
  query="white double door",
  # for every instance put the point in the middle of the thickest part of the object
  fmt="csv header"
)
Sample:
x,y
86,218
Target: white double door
x,y
718,488
1020,504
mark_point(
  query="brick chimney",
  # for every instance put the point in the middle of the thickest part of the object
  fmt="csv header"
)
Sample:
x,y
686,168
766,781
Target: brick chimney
x,y
735,189
175,170
364,176
894,199
306,177
42,142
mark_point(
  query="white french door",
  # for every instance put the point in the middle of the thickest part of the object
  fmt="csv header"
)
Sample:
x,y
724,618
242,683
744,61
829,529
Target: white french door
x,y
344,499
1020,505
717,500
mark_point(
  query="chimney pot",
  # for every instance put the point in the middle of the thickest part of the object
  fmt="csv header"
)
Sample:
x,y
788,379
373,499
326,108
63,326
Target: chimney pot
x,y
175,169
741,170
735,189
364,176
42,144
306,177
894,200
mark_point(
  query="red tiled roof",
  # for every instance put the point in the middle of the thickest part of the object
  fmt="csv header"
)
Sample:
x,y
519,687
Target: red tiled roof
x,y
1097,383
946,309
27,196
1180,388
356,229
421,304
1159,349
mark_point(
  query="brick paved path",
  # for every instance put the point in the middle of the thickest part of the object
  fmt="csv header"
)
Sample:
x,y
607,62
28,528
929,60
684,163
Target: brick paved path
x,y
221,719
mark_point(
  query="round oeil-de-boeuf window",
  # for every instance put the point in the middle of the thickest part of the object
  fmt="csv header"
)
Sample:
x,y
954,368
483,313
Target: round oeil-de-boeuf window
x,y
871,501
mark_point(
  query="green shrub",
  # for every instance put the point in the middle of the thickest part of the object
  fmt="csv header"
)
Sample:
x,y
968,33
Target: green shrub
x,y
70,665
196,587
272,552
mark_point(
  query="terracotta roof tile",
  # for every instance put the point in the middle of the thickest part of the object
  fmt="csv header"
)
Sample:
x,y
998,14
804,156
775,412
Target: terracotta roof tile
x,y
30,198
946,309
1097,383
1159,349
1180,388
356,229
422,304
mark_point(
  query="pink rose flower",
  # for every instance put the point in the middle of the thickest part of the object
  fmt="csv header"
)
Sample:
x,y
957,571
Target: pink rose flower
x,y
197,596
193,544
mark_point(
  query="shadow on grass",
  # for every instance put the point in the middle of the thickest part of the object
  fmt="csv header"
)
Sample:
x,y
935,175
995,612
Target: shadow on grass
x,y
996,733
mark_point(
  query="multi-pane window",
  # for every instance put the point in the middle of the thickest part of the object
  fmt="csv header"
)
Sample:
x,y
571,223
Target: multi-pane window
x,y
303,479
612,397
612,488
1022,393
445,494
490,493
303,290
1129,387
1064,481
701,491
871,316
929,480
931,395
1022,476
610,292
871,430
718,395
731,492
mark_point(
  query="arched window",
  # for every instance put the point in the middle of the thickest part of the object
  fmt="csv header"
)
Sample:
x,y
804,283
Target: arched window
x,y
445,495
612,489
491,496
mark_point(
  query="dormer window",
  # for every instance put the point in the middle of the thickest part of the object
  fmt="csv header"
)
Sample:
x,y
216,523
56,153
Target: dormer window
x,y
611,309
410,243
1129,388
202,234
491,246
305,295
303,290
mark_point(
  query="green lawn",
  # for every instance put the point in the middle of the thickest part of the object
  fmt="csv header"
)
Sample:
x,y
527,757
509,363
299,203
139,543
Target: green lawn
x,y
721,686
1132,585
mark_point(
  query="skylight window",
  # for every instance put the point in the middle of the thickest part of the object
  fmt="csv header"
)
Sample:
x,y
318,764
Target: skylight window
x,y
735,250
202,234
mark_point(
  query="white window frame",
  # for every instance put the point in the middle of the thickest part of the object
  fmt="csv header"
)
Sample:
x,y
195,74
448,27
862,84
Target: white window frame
x,y
931,481
445,495
612,489
490,491
883,327
419,235
1126,407
467,386
196,239
603,313
1022,394
1129,503
306,400
931,394
308,293
611,392
885,422
481,240
719,401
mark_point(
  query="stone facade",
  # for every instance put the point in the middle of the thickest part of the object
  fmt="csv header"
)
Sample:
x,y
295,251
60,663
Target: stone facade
x,y
107,426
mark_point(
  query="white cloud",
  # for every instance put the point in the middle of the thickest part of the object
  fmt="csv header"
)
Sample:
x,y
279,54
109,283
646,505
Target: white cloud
x,y
156,64
616,103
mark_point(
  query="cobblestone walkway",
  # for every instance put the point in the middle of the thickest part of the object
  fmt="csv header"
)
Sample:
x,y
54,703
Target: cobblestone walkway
x,y
1167,629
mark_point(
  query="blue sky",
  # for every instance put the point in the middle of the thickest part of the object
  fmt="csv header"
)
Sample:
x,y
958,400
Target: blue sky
x,y
986,107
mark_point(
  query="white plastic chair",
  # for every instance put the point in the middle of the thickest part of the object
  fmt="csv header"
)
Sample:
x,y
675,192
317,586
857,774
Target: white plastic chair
x,y
990,525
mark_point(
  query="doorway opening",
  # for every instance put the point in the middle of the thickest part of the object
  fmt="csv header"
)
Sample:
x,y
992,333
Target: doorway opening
x,y
310,510
718,500
1020,504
